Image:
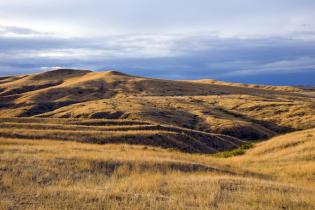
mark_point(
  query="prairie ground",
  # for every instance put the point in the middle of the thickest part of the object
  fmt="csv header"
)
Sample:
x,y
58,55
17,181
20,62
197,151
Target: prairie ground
x,y
46,174
77,139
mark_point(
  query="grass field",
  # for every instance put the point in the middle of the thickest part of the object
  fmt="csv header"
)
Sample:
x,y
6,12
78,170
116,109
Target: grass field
x,y
277,174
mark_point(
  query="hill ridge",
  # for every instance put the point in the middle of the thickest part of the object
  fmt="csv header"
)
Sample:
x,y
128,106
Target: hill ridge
x,y
245,112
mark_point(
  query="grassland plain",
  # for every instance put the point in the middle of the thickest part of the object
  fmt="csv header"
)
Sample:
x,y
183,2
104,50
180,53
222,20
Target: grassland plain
x,y
73,139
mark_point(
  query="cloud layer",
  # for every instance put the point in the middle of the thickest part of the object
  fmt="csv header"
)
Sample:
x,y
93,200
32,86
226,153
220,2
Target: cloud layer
x,y
244,41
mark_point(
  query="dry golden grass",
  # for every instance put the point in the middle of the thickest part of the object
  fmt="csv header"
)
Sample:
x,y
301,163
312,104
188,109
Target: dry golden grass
x,y
136,117
264,87
117,131
249,112
290,157
67,175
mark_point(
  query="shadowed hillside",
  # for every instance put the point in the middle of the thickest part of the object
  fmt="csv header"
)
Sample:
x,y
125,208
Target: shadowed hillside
x,y
117,131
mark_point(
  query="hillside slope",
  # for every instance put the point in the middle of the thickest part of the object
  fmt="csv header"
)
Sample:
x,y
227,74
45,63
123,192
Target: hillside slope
x,y
117,131
247,112
56,175
77,139
289,157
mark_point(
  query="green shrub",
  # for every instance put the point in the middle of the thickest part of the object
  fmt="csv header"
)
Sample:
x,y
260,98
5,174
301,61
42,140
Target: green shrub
x,y
239,151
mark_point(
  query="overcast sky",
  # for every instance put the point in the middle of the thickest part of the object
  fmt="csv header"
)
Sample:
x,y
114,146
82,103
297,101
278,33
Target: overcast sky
x,y
250,41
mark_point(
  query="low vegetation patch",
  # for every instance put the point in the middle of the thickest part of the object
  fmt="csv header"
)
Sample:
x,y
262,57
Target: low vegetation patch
x,y
235,152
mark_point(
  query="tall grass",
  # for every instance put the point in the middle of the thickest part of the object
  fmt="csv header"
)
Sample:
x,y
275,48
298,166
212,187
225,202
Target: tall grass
x,y
68,175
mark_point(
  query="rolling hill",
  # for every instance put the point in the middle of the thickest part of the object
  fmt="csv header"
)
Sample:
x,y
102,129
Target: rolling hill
x,y
78,139
244,112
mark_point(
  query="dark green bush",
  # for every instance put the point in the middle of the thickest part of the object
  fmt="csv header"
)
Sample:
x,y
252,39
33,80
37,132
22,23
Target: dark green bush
x,y
239,151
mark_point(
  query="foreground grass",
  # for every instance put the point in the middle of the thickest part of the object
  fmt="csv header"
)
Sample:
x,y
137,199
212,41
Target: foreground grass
x,y
289,157
67,175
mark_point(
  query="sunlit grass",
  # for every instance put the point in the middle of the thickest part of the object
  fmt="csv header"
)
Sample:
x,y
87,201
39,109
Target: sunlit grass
x,y
57,175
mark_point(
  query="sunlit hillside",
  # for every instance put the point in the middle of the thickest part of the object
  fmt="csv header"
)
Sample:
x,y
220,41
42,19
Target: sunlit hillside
x,y
248,112
276,174
77,139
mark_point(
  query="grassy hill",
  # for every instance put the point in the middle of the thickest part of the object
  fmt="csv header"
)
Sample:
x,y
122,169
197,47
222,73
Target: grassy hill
x,y
77,139
247,112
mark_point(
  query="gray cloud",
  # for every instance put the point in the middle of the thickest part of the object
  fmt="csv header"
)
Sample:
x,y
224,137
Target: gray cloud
x,y
176,56
15,30
240,40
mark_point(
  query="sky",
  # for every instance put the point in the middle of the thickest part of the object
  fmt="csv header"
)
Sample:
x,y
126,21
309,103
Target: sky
x,y
248,41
